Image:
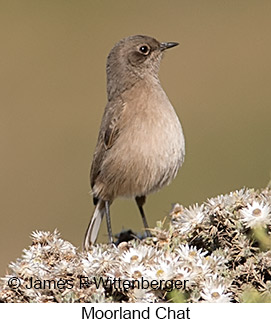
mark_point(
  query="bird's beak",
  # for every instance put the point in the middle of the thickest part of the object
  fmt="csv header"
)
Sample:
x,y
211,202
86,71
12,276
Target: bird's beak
x,y
164,46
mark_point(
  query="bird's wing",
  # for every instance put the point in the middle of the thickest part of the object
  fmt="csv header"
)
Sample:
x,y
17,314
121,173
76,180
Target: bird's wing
x,y
109,132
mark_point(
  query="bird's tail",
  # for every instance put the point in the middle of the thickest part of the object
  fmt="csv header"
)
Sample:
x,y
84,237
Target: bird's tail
x,y
94,225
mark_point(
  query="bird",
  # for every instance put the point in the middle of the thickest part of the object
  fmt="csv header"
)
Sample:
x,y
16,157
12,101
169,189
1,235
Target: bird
x,y
141,144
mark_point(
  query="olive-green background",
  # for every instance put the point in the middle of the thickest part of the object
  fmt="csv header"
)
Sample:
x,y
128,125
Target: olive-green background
x,y
52,96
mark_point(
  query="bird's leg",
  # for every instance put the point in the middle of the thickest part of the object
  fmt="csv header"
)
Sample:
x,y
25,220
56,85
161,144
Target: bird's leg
x,y
108,222
140,200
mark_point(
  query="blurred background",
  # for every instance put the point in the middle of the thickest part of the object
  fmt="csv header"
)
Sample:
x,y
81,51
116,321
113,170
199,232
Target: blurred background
x,y
53,93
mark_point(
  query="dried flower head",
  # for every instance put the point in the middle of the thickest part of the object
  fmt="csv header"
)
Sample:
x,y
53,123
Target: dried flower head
x,y
256,215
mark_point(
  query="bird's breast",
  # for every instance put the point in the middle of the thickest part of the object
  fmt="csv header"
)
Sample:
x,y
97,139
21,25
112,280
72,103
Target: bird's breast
x,y
151,143
149,148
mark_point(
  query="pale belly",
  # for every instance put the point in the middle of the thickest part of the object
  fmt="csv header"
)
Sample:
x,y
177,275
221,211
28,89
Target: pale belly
x,y
151,160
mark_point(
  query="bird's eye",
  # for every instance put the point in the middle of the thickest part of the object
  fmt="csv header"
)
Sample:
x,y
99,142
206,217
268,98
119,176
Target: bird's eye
x,y
144,49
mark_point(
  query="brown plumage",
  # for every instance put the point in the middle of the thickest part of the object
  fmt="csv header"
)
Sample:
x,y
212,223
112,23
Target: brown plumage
x,y
140,144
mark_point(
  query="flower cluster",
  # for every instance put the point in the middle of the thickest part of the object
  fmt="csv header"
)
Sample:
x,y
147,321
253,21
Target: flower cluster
x,y
210,249
229,226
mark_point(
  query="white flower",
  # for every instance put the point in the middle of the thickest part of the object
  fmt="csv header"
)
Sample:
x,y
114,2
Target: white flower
x,y
243,194
190,254
202,268
186,274
134,271
131,256
256,215
187,219
162,271
99,260
194,261
214,291
216,202
136,255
